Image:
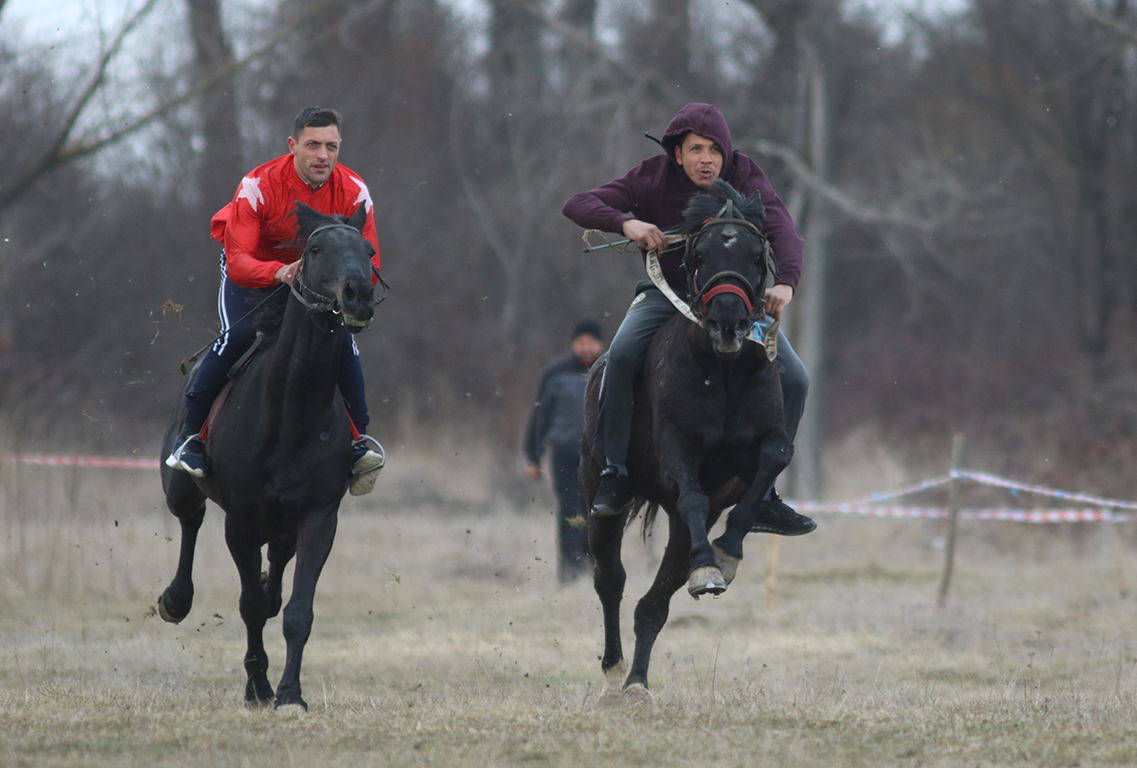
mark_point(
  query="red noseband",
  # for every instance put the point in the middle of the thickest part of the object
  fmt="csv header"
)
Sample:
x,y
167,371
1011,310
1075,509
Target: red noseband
x,y
728,288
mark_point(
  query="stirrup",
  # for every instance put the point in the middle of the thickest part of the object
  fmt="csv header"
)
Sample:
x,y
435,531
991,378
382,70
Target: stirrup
x,y
365,471
174,460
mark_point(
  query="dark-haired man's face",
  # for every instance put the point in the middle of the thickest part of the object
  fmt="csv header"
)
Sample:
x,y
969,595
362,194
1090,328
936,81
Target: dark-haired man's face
x,y
701,159
315,153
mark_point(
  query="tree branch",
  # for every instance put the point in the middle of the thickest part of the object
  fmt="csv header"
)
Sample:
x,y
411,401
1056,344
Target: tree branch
x,y
850,207
62,152
1109,22
582,39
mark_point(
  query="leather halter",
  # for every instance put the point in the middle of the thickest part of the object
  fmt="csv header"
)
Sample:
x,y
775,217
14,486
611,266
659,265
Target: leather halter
x,y
316,302
755,302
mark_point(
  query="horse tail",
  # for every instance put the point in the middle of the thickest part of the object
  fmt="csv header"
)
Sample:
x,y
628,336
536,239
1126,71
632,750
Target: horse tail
x,y
649,510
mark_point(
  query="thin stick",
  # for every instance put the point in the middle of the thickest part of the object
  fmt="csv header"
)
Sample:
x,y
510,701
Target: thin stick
x,y
953,519
773,549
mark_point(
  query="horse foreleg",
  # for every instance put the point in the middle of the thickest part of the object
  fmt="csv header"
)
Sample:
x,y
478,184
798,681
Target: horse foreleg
x,y
653,608
704,577
679,461
254,606
605,537
188,504
773,457
314,544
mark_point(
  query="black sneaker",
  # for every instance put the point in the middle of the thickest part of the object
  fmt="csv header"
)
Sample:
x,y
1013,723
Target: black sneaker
x,y
614,495
189,456
367,458
775,516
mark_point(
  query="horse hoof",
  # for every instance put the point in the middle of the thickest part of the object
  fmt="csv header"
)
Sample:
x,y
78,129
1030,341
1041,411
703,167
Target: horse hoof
x,y
707,580
292,710
170,611
258,691
613,684
638,693
291,704
728,564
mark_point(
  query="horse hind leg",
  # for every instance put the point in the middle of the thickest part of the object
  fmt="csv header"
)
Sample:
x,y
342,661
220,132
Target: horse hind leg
x,y
254,605
654,607
187,503
605,538
280,552
314,544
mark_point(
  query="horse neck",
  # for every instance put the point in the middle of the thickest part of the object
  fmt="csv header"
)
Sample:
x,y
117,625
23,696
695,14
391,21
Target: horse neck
x,y
302,368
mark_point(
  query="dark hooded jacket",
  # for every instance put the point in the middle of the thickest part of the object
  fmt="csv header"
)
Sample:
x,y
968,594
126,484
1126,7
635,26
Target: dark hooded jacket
x,y
657,190
558,414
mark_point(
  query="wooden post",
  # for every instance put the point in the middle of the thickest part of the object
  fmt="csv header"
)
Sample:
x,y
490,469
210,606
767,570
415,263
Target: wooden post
x,y
1114,544
773,549
953,519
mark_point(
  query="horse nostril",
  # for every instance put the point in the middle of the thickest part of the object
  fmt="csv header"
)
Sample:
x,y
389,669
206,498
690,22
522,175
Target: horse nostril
x,y
349,293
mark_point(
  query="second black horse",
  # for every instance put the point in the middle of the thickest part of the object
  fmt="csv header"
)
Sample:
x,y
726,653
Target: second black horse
x,y
707,430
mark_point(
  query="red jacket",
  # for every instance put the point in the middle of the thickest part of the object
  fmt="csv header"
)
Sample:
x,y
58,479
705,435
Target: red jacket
x,y
657,191
257,226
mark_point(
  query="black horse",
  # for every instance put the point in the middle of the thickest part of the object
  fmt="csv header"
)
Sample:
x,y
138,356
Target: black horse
x,y
707,430
280,446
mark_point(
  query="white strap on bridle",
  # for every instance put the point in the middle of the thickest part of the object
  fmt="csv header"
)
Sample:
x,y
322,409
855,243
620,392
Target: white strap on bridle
x,y
760,332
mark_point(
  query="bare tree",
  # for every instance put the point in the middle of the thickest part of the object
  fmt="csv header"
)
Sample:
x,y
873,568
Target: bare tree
x,y
66,147
213,56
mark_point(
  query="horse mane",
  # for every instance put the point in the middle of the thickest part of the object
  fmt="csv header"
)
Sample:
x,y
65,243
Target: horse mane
x,y
307,219
707,203
271,314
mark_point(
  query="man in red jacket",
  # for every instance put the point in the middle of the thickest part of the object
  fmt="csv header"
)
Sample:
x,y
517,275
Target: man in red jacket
x,y
256,228
641,205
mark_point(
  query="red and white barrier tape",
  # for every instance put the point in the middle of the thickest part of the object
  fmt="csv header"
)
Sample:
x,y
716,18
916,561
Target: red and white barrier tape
x,y
1002,482
45,460
868,506
1016,515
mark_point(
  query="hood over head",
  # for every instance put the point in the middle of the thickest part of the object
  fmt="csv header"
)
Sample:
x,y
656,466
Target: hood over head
x,y
704,120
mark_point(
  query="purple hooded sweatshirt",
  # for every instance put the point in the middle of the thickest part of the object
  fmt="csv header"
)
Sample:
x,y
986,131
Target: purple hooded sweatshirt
x,y
656,191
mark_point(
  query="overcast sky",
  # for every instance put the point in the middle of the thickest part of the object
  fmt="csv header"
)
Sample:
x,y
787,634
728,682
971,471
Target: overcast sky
x,y
66,20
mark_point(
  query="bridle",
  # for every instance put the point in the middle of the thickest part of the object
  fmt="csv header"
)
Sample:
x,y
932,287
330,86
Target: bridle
x,y
754,299
316,302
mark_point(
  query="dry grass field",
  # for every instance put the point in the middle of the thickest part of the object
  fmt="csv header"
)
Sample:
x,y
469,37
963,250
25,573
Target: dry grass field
x,y
442,638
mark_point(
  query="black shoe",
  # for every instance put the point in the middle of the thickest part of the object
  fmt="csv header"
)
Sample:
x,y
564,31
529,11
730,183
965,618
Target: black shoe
x,y
614,495
189,456
775,516
367,459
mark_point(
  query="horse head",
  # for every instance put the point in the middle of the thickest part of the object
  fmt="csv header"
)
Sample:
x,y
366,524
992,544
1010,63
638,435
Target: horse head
x,y
726,262
336,270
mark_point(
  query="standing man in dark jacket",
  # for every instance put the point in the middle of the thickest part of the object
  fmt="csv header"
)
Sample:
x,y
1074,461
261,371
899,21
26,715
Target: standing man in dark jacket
x,y
641,205
558,421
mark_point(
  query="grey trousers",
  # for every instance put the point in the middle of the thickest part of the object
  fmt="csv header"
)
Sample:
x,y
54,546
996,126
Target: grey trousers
x,y
648,312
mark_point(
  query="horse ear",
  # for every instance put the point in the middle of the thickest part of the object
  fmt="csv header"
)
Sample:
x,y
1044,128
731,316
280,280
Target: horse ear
x,y
303,214
754,203
359,218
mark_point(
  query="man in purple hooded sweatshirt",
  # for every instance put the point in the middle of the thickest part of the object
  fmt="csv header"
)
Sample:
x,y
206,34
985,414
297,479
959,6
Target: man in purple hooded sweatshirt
x,y
641,205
